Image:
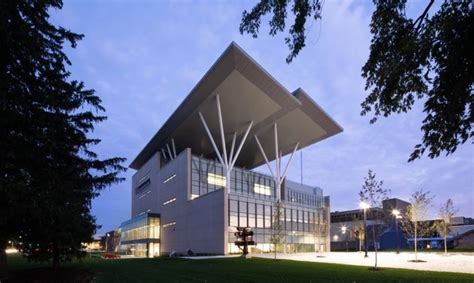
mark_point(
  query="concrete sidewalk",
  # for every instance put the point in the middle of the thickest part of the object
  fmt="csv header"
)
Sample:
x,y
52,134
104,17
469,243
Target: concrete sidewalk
x,y
453,262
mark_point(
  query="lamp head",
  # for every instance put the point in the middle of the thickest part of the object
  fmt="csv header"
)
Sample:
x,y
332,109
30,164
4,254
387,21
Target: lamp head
x,y
364,205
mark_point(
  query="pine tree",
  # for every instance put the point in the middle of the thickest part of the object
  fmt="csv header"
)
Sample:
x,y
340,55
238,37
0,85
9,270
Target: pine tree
x,y
49,173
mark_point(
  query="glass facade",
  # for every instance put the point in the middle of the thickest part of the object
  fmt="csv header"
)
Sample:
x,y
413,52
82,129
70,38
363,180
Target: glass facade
x,y
140,236
251,201
208,176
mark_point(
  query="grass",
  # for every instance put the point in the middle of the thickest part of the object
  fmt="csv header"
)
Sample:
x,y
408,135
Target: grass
x,y
218,270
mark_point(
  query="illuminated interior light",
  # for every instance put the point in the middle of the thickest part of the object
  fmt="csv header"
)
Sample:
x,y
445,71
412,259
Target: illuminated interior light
x,y
169,224
262,189
169,201
214,179
169,178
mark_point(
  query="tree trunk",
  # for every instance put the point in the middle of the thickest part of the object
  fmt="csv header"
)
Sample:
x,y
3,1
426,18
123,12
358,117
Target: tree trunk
x,y
55,257
375,245
445,244
416,242
275,251
3,262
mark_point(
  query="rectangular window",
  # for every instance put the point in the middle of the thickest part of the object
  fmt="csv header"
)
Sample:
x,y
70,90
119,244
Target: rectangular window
x,y
140,188
169,178
268,214
251,213
169,201
215,179
262,189
242,214
169,224
233,205
260,216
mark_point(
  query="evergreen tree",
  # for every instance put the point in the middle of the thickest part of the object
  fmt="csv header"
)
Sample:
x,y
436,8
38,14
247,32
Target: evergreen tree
x,y
49,173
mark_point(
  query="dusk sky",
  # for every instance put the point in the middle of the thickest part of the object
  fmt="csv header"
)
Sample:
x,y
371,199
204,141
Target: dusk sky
x,y
144,57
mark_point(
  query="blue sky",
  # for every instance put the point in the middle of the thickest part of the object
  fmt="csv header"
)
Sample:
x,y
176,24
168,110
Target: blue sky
x,y
143,58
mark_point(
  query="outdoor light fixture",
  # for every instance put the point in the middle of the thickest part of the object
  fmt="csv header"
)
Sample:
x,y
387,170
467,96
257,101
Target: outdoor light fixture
x,y
344,229
397,215
364,205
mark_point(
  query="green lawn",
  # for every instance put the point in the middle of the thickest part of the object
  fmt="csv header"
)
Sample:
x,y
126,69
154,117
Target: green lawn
x,y
219,270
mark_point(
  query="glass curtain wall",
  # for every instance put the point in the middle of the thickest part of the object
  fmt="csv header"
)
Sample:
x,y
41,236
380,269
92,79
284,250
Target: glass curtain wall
x,y
140,236
251,201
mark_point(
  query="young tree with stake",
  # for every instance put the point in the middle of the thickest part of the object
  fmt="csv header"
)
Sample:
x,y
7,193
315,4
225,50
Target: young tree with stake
x,y
412,224
374,194
446,212
278,236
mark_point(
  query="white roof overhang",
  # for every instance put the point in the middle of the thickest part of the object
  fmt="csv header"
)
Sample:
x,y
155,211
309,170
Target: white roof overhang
x,y
247,93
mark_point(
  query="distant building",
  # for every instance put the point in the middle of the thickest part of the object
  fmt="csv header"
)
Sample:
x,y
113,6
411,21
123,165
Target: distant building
x,y
94,245
347,227
347,230
464,240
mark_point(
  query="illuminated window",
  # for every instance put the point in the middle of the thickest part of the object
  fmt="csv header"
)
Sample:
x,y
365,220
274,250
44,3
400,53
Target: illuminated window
x,y
194,196
262,189
169,178
214,179
142,186
169,201
169,224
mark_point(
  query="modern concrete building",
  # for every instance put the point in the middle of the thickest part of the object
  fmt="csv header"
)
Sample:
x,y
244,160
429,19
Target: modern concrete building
x,y
194,182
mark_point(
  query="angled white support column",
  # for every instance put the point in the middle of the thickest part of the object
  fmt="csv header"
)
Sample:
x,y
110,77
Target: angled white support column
x,y
278,177
163,153
227,160
169,152
174,147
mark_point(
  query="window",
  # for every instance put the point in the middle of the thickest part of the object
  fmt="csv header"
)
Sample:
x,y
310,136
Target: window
x,y
242,214
215,179
262,189
169,201
142,186
169,178
169,224
268,215
251,214
260,223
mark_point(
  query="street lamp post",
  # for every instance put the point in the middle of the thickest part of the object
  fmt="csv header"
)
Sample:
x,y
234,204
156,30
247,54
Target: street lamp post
x,y
107,242
365,206
344,229
396,213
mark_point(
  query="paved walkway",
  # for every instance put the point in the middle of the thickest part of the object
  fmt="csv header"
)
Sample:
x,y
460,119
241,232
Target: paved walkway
x,y
454,262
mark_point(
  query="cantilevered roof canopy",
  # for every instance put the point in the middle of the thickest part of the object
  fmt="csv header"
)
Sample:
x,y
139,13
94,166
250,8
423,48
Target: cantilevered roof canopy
x,y
247,93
